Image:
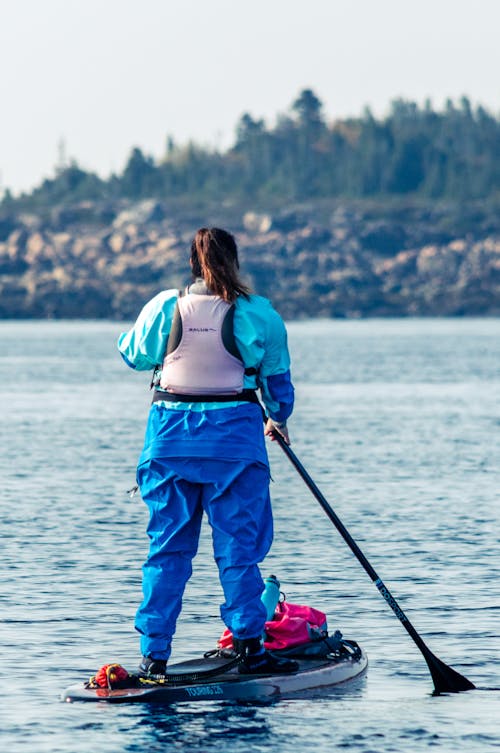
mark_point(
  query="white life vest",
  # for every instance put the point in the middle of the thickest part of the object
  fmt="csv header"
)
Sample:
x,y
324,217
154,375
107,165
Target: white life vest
x,y
201,364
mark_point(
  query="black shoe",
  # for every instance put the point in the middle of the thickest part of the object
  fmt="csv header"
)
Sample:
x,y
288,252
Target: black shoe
x,y
261,663
152,669
267,664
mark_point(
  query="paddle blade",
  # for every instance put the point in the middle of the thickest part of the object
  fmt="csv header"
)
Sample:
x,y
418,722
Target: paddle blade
x,y
446,679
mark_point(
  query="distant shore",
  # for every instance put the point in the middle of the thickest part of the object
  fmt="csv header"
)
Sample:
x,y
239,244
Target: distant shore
x,y
320,259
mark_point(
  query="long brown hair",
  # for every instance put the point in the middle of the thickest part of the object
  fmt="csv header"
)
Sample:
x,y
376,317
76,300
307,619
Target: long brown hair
x,y
214,256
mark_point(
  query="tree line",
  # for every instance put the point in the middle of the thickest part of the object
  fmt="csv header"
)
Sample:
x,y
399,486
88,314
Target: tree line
x,y
414,150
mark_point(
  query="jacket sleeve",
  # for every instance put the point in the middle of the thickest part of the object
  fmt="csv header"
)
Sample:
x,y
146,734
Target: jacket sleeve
x,y
274,373
143,346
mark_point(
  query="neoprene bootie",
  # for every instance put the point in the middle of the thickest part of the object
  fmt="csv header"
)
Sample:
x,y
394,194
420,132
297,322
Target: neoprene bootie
x,y
153,669
258,661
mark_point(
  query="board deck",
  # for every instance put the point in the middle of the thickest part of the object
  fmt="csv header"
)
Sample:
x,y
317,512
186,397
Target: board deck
x,y
312,674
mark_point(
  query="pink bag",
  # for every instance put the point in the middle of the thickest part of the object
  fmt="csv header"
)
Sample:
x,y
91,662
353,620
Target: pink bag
x,y
292,625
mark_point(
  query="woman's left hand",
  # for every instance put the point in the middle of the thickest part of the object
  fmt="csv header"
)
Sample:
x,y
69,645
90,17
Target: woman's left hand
x,y
271,427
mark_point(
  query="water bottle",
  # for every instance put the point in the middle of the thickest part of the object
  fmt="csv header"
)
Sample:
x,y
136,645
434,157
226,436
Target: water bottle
x,y
271,595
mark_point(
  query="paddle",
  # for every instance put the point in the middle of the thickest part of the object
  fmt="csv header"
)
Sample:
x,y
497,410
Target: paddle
x,y
446,679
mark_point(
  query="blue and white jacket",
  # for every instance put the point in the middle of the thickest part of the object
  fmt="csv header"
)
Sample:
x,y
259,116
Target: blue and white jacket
x,y
214,429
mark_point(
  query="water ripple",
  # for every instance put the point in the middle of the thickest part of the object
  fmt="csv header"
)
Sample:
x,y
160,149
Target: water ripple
x,y
395,420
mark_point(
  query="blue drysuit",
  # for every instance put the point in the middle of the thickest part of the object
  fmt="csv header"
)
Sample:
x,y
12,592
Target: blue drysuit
x,y
211,457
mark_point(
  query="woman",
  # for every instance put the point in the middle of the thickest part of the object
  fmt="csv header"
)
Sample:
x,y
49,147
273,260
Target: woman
x,y
204,447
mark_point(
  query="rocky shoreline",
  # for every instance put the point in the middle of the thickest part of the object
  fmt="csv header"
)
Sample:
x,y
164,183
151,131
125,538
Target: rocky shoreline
x,y
334,259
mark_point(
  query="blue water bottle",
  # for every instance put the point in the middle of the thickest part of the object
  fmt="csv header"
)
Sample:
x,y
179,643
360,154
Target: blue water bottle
x,y
271,595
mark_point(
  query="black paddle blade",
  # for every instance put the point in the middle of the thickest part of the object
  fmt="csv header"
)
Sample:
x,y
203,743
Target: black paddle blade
x,y
446,679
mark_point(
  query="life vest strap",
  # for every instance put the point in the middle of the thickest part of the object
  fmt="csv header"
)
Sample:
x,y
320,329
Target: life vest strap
x,y
246,396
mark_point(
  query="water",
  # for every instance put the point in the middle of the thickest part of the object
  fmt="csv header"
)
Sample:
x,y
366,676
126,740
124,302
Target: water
x,y
398,423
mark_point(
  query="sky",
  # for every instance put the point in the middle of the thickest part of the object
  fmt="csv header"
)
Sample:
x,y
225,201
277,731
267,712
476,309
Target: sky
x,y
88,80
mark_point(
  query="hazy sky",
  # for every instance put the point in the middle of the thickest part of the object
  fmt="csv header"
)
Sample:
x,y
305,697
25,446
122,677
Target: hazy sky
x,y
106,75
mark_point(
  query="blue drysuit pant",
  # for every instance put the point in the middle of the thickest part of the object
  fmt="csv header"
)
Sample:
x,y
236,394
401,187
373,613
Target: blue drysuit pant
x,y
235,496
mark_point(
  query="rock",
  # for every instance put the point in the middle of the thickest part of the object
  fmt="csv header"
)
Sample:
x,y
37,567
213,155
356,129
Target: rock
x,y
116,242
140,214
83,212
254,222
17,241
36,245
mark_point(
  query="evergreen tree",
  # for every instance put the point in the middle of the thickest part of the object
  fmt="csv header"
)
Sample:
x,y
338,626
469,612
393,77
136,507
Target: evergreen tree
x,y
453,153
140,178
308,145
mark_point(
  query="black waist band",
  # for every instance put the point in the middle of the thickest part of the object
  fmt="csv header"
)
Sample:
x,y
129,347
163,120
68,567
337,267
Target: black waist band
x,y
247,396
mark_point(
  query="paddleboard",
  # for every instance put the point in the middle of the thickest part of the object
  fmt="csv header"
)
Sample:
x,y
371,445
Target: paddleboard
x,y
325,672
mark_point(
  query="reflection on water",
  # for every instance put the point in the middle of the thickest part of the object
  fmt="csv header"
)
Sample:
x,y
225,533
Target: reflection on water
x,y
204,728
397,422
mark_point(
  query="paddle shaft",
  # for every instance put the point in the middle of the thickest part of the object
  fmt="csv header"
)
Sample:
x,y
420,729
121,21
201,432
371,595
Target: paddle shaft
x,y
445,678
350,541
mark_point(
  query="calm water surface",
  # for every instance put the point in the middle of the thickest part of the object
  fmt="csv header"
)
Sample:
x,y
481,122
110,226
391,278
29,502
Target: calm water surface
x,y
397,421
